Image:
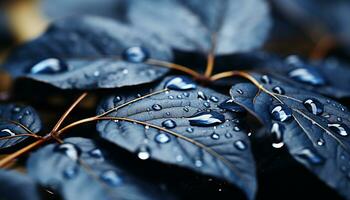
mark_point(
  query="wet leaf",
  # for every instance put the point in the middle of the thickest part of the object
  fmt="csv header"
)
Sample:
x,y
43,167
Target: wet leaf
x,y
182,126
90,52
315,129
82,169
190,25
16,186
17,120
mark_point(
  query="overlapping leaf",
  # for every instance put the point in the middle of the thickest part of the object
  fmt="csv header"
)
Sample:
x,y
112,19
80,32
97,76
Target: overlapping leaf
x,y
17,120
86,52
81,169
15,186
189,25
182,126
315,129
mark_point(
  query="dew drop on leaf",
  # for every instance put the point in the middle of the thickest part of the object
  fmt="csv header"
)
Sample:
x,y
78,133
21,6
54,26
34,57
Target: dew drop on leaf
x,y
265,79
313,106
340,129
206,118
214,99
240,145
111,178
201,95
278,90
70,150
71,172
277,131
162,138
180,83
49,66
281,113
135,54
143,153
96,153
157,107
6,132
169,123
230,105
215,136
310,156
307,75
320,142
190,130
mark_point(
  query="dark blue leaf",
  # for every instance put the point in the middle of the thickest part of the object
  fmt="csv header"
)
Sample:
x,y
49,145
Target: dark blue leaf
x,y
189,25
315,129
86,52
16,186
183,127
81,169
17,120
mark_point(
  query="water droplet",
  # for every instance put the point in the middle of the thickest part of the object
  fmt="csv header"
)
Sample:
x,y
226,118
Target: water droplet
x,y
71,172
320,142
281,113
236,128
167,113
313,106
265,79
125,71
240,145
111,178
278,90
277,131
206,104
205,118
186,109
146,127
310,156
6,132
96,73
179,158
16,109
228,135
198,163
230,105
308,75
49,66
157,107
144,153
70,150
169,123
171,97
162,138
339,119
180,83
214,99
179,96
96,153
201,95
215,136
135,54
27,112
186,94
340,129
239,91
117,99
190,130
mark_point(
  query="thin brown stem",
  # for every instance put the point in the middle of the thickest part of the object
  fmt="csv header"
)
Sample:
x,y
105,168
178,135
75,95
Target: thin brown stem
x,y
65,114
174,66
211,57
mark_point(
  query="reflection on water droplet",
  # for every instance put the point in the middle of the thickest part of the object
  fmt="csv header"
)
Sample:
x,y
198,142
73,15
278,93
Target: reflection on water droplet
x,y
71,172
278,90
135,54
215,136
228,135
198,163
310,156
96,153
16,109
201,95
240,145
340,129
206,104
265,79
111,178
144,153
169,123
190,130
320,142
239,91
230,105
277,131
162,138
6,132
157,107
308,75
205,118
180,83
214,99
49,66
70,150
281,113
313,106
179,158
117,99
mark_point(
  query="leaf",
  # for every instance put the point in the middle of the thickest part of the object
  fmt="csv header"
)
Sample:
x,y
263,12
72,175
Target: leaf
x,y
86,52
189,25
16,186
17,120
182,126
314,128
82,169
320,76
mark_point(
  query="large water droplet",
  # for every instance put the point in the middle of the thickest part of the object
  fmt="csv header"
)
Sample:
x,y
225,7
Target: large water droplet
x,y
206,118
157,107
71,172
111,178
278,90
230,105
281,113
310,156
49,66
340,129
70,150
135,54
307,74
201,95
162,138
144,153
6,132
169,123
313,106
277,131
240,145
265,79
180,83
